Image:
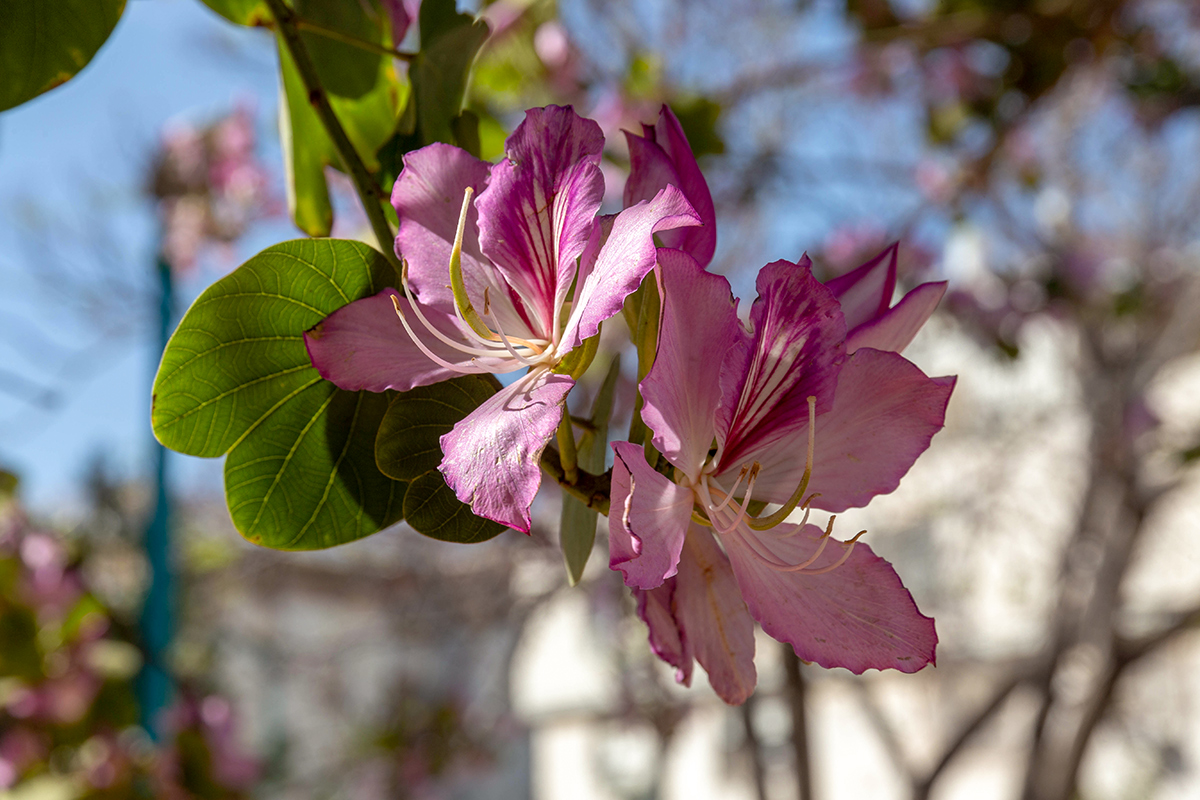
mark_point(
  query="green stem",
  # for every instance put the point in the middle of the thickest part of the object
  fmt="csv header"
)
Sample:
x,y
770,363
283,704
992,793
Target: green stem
x,y
566,450
368,190
591,490
353,41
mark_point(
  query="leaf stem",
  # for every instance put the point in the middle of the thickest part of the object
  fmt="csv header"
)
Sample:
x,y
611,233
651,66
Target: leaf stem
x,y
566,448
353,41
368,190
591,490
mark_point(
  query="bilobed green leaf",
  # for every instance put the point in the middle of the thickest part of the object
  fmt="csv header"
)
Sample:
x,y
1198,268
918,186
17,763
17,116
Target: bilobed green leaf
x,y
577,531
44,43
243,12
449,43
368,120
236,379
408,448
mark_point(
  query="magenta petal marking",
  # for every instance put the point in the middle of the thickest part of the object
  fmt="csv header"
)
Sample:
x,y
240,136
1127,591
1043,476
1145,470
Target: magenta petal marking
x,y
364,346
896,327
625,258
661,157
717,627
540,206
798,349
491,456
858,616
866,292
648,517
884,416
667,640
682,391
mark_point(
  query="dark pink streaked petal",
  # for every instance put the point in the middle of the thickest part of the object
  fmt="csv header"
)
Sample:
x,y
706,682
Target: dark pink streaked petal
x,y
654,607
540,206
717,627
866,292
402,14
647,520
364,346
798,349
626,257
491,457
859,616
895,328
884,416
661,157
699,329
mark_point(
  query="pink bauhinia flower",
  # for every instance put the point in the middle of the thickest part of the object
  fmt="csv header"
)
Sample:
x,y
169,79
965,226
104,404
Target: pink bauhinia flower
x,y
488,288
792,414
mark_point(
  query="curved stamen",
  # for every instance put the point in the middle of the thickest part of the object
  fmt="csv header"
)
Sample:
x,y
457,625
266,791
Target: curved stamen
x,y
441,362
729,494
763,523
741,507
507,344
849,549
495,347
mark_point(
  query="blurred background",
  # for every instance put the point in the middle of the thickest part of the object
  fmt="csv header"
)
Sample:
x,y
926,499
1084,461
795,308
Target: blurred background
x,y
1040,156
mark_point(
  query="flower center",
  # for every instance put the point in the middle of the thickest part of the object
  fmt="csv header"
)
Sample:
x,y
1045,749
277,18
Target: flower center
x,y
729,516
484,339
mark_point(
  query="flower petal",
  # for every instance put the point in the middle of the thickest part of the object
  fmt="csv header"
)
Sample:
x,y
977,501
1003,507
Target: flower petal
x,y
663,157
866,292
717,627
859,616
540,206
895,328
654,606
647,520
797,351
491,457
884,416
699,329
364,346
626,257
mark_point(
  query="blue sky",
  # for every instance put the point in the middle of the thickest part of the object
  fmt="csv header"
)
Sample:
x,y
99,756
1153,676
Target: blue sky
x,y
72,164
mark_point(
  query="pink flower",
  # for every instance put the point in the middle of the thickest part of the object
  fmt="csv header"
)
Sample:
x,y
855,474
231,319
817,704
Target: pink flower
x,y
734,414
486,290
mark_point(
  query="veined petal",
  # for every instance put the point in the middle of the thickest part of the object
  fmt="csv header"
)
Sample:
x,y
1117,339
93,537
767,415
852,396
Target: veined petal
x,y
717,627
895,328
866,292
858,616
884,415
683,389
661,157
537,213
364,346
647,520
491,457
798,348
625,258
654,607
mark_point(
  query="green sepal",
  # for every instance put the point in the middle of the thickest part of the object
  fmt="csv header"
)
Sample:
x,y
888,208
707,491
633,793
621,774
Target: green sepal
x,y
236,379
576,362
408,448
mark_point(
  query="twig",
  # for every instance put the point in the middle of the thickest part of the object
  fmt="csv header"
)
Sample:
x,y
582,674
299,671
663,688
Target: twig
x,y
368,190
591,490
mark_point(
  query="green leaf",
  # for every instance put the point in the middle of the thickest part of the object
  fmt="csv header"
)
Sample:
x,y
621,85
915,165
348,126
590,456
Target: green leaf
x,y
408,448
449,43
235,378
243,12
577,531
44,44
344,70
307,149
